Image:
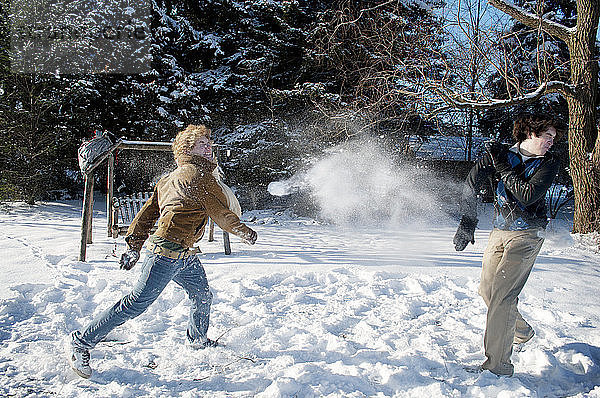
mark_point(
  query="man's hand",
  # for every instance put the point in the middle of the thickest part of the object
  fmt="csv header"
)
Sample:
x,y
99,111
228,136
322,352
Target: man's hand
x,y
251,238
465,233
129,258
498,152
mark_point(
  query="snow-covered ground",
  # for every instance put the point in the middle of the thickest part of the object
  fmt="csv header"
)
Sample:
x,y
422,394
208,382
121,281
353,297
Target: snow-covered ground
x,y
311,310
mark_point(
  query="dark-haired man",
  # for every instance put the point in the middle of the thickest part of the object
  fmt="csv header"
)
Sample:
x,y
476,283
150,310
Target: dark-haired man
x,y
522,174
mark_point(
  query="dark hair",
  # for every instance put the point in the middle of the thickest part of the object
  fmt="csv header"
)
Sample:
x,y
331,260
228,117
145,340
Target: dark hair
x,y
526,125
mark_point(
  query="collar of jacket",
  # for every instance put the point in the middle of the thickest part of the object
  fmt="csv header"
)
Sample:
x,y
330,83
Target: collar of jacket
x,y
196,160
515,149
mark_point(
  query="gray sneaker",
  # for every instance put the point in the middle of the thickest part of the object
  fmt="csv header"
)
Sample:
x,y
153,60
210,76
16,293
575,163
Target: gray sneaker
x,y
523,339
200,345
79,359
502,370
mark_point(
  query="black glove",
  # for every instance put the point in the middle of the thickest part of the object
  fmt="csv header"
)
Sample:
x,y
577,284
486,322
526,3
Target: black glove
x,y
129,258
465,233
498,152
251,238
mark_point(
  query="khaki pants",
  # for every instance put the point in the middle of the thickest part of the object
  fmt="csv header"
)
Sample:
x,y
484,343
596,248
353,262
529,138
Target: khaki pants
x,y
507,262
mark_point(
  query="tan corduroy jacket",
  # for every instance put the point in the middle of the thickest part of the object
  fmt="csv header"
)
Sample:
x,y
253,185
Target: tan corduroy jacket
x,y
182,202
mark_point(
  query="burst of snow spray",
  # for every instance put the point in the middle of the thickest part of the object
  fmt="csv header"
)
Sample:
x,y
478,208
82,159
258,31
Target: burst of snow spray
x,y
358,183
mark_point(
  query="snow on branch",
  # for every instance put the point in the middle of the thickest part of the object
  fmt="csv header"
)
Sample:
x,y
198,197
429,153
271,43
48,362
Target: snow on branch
x,y
458,101
533,21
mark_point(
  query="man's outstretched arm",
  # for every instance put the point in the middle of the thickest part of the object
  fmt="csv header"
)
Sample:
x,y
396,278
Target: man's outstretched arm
x,y
478,174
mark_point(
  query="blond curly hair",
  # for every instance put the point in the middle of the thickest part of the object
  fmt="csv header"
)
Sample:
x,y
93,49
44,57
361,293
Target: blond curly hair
x,y
186,139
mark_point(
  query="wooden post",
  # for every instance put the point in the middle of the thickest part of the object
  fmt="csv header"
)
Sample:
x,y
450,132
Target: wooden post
x,y
211,231
211,227
226,243
90,214
109,194
115,226
85,214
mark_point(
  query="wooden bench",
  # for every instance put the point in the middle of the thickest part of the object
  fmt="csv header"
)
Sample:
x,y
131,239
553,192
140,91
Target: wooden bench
x,y
125,208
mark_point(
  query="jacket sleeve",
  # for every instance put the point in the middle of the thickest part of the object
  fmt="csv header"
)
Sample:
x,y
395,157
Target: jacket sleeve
x,y
479,173
211,196
530,191
144,220
225,218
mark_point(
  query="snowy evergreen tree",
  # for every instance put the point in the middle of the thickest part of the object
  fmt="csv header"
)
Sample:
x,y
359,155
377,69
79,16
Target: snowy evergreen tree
x,y
250,70
225,64
214,62
38,152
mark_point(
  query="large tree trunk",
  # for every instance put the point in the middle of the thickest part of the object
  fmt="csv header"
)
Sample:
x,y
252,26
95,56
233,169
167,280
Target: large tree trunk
x,y
584,145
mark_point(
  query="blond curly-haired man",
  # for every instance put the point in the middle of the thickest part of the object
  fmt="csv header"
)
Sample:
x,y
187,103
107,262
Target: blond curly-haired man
x,y
181,202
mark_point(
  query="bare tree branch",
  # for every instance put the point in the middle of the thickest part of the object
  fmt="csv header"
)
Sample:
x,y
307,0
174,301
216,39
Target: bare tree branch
x,y
475,46
459,101
534,21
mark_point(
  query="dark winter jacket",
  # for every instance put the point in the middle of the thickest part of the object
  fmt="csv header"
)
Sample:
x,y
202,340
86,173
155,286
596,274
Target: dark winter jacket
x,y
182,202
520,196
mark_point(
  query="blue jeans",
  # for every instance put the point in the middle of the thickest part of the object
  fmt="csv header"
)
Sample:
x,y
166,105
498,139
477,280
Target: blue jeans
x,y
157,271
